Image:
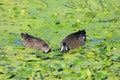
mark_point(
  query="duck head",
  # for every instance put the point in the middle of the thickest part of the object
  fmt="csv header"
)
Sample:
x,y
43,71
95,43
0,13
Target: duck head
x,y
46,48
24,35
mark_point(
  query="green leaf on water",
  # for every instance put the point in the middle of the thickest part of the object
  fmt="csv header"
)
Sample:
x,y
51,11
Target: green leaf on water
x,y
98,59
25,73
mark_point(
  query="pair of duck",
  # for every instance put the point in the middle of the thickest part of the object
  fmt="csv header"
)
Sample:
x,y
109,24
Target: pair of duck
x,y
71,41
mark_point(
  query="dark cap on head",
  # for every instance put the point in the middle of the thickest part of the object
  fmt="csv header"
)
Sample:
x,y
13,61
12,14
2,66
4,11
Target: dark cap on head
x,y
24,35
82,32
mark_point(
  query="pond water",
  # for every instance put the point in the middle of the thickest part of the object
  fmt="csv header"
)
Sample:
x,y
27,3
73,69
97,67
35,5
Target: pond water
x,y
53,20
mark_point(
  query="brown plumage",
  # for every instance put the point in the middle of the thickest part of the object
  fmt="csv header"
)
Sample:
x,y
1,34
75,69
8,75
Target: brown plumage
x,y
73,40
34,43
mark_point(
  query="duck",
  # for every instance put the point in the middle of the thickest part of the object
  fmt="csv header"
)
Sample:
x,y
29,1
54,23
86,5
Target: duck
x,y
30,41
73,40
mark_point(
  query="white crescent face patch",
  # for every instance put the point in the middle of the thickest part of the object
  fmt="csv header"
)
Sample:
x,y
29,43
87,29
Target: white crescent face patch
x,y
83,37
64,47
45,49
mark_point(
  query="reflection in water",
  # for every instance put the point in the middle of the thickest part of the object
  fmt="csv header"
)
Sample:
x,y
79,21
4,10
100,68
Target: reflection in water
x,y
17,42
95,40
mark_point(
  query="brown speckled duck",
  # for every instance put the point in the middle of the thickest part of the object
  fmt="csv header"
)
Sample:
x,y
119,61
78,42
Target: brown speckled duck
x,y
34,43
73,40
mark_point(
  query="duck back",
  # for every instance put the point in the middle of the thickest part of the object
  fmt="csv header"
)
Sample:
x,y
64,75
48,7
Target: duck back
x,y
73,40
34,43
